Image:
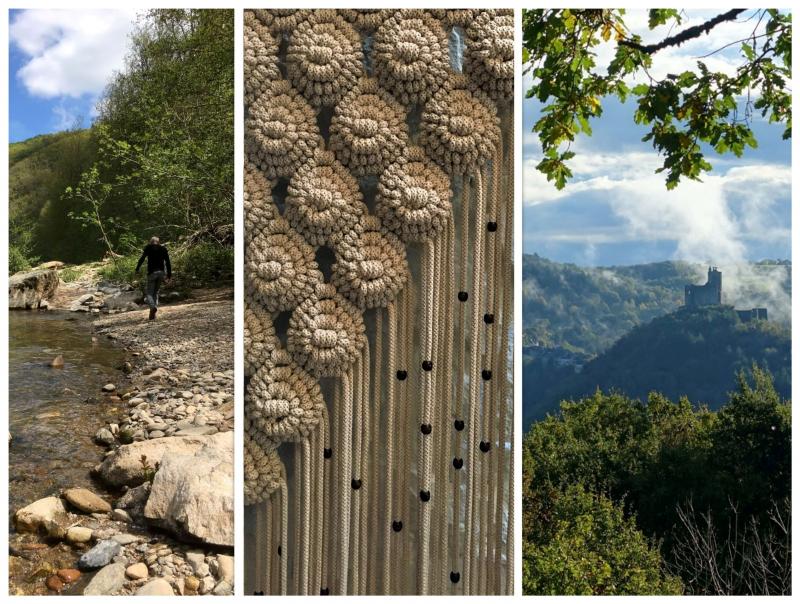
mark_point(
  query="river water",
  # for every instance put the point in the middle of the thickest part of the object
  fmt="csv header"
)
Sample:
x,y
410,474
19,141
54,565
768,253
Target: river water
x,y
50,420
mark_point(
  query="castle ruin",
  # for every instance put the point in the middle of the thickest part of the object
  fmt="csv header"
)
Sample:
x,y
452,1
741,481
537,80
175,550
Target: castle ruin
x,y
710,294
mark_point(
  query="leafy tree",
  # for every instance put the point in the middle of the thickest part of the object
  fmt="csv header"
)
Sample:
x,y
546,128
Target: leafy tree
x,y
593,550
683,111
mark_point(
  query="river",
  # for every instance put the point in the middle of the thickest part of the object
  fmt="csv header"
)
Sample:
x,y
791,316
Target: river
x,y
50,420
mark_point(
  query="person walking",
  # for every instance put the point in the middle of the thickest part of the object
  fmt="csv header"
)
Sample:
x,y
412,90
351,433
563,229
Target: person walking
x,y
158,267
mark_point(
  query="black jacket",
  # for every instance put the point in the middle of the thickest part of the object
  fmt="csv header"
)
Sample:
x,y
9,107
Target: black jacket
x,y
157,259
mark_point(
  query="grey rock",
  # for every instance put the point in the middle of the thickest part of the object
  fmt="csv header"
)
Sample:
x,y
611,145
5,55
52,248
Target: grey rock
x,y
29,290
106,582
100,555
104,437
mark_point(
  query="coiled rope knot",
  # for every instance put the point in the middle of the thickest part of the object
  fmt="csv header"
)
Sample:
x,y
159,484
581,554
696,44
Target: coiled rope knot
x,y
326,333
365,127
282,401
372,270
324,202
460,129
413,199
280,269
324,58
368,130
411,55
489,54
408,51
461,125
262,468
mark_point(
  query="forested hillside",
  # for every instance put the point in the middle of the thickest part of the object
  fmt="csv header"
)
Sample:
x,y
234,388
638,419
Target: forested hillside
x,y
157,161
587,309
622,496
690,352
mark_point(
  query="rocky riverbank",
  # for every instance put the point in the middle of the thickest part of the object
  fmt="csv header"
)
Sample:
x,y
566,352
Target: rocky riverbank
x,y
164,522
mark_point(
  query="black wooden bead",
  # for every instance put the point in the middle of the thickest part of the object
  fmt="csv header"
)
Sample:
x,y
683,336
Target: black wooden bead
x,y
402,374
459,424
462,296
427,365
279,550
355,483
425,495
258,593
454,576
485,446
491,226
486,374
397,526
425,428
488,318
327,453
324,591
458,463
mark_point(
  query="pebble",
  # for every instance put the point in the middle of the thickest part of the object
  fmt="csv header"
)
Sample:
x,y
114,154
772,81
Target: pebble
x,y
69,575
100,555
79,534
137,571
54,583
125,538
191,583
120,515
109,388
156,587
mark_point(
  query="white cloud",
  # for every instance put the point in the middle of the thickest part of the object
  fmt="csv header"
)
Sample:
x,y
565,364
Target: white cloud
x,y
70,53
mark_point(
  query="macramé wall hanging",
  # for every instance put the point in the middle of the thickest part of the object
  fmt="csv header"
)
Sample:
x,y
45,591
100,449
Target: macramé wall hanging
x,y
379,287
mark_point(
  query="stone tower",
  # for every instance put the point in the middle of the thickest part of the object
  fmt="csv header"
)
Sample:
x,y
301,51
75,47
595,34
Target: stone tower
x,y
705,295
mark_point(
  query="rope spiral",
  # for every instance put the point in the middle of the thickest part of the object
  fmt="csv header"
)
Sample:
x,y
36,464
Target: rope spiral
x,y
370,269
259,211
326,333
280,269
281,131
282,401
262,470
368,130
489,54
323,201
460,129
281,20
259,337
324,59
411,56
366,19
260,58
413,199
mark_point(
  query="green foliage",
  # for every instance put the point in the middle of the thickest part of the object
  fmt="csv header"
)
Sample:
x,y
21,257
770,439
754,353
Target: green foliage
x,y
683,112
70,273
158,161
202,264
650,459
593,550
17,260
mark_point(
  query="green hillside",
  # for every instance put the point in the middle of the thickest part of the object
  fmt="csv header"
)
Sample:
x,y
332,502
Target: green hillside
x,y
586,309
690,352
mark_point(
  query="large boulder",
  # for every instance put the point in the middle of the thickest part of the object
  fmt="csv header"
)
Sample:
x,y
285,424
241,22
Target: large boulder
x,y
31,289
40,514
192,495
125,465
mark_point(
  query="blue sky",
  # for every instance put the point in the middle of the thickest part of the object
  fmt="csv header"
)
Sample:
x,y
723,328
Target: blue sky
x,y
59,63
617,211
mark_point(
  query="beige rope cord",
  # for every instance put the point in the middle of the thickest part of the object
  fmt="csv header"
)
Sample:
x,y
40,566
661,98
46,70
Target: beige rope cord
x,y
378,206
324,58
413,199
411,56
366,19
326,333
323,201
281,131
260,57
489,54
371,267
368,130
281,20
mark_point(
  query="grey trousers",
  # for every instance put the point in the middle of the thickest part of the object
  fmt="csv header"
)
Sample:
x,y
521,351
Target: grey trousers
x,y
153,284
